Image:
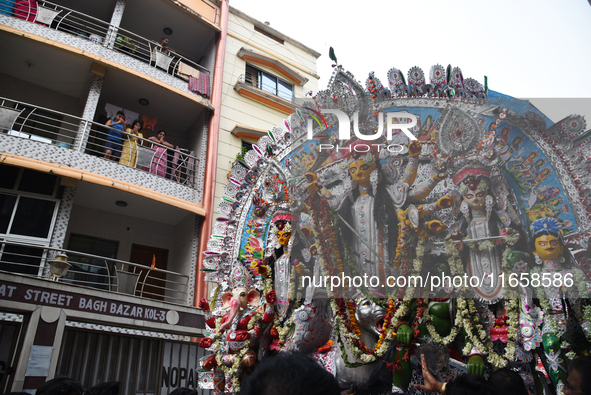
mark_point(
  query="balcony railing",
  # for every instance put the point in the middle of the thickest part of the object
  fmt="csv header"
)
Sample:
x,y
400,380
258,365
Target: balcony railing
x,y
60,18
266,86
27,121
97,272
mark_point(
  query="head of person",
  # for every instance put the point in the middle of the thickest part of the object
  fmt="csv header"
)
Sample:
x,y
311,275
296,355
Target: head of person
x,y
508,382
60,386
161,134
164,41
137,125
579,379
290,373
119,115
108,388
469,384
547,239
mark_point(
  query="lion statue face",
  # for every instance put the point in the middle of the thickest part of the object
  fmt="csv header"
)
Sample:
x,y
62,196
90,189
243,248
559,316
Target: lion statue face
x,y
370,316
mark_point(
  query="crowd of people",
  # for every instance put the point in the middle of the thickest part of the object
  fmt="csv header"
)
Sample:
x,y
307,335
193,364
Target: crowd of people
x,y
295,373
298,374
122,144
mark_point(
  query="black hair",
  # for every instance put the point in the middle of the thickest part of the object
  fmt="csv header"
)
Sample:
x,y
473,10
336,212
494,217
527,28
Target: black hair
x,y
138,121
290,373
583,366
468,384
120,113
161,131
507,382
184,391
108,388
60,386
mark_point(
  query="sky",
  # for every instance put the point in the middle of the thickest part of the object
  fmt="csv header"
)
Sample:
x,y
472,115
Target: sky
x,y
528,49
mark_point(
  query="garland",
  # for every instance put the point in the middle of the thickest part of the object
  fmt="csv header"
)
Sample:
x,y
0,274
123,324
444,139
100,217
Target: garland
x,y
231,371
346,324
498,361
331,263
442,341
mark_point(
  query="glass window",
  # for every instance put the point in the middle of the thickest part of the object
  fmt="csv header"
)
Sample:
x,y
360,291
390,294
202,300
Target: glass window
x,y
33,217
37,182
93,272
21,259
284,90
7,203
8,176
268,83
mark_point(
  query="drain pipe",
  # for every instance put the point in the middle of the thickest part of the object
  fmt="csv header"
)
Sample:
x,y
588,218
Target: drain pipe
x,y
212,152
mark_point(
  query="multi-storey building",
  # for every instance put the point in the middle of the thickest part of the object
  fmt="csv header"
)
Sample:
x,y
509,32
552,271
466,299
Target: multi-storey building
x,y
131,228
266,74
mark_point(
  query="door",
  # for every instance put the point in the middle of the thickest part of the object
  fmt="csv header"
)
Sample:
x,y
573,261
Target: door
x,y
152,281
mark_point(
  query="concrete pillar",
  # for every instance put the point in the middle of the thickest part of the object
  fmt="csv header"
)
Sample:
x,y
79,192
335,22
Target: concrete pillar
x,y
89,110
115,23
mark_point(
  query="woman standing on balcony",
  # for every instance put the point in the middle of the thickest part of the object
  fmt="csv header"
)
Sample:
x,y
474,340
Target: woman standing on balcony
x,y
114,138
161,156
129,153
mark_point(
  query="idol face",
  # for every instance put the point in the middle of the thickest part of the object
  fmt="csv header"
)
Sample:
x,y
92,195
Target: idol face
x,y
475,199
548,247
283,237
360,171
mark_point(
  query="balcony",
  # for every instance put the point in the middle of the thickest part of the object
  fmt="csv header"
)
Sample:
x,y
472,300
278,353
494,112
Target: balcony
x,y
268,95
77,148
127,46
95,272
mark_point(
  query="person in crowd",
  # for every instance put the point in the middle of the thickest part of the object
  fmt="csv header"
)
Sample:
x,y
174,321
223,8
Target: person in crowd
x,y
113,145
466,384
129,153
579,380
508,382
108,388
164,45
60,386
160,161
290,373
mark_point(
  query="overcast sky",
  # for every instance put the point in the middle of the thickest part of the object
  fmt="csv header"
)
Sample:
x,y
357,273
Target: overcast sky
x,y
528,49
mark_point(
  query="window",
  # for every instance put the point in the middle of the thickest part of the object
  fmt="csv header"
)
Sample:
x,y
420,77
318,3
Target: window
x,y
92,272
266,33
268,83
27,207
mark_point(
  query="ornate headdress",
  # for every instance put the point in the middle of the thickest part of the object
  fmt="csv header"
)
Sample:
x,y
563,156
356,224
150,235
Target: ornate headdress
x,y
472,177
546,225
240,277
281,221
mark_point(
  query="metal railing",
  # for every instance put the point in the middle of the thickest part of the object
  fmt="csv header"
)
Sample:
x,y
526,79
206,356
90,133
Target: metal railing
x,y
266,87
55,16
97,272
53,127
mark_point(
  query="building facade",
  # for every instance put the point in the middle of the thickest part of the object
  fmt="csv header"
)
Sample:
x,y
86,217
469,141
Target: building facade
x,y
127,223
266,74
126,210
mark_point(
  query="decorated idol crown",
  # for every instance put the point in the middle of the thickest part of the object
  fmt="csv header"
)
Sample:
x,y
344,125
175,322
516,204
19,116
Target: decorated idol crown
x,y
472,177
547,225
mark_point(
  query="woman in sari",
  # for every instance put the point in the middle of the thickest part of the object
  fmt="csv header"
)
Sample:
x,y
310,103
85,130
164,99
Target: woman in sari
x,y
129,153
161,156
